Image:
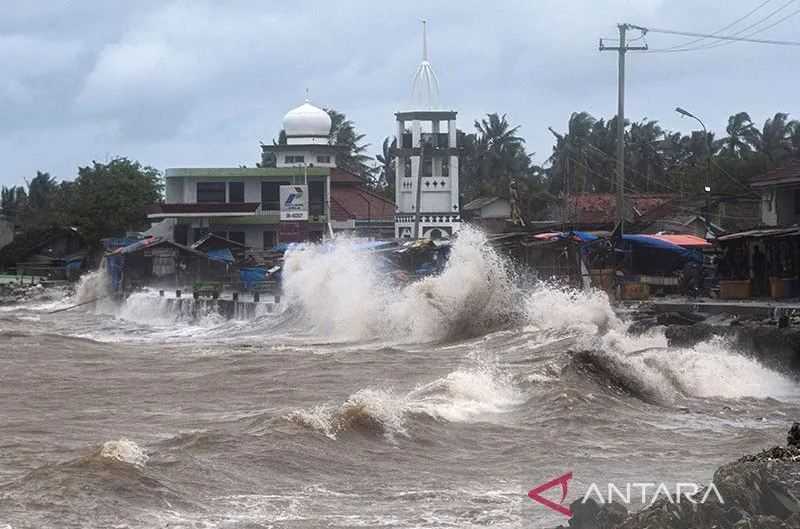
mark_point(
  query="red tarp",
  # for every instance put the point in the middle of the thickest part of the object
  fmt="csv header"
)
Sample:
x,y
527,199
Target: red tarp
x,y
687,241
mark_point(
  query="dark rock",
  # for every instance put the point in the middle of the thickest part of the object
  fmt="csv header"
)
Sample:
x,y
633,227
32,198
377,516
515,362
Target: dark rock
x,y
583,514
760,491
793,439
690,335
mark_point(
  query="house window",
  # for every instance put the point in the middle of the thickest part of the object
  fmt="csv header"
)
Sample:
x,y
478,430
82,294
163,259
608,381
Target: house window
x,y
316,198
270,239
445,166
294,159
236,236
210,192
236,192
271,195
324,159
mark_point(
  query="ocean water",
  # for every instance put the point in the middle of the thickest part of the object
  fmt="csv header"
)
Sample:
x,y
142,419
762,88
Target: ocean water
x,y
359,403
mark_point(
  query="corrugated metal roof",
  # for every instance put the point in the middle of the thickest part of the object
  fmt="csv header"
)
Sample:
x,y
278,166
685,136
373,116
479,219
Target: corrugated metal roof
x,y
755,234
479,203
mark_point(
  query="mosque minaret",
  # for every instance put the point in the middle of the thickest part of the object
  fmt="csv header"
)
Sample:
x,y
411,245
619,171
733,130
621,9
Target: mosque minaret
x,y
426,185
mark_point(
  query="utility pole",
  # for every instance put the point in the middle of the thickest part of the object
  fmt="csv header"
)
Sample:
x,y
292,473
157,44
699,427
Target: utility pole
x,y
418,198
621,49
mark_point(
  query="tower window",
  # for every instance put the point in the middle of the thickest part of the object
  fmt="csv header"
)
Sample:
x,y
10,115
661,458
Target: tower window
x,y
294,159
324,159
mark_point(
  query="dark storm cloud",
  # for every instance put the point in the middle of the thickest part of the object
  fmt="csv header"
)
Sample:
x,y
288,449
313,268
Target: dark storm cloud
x,y
201,83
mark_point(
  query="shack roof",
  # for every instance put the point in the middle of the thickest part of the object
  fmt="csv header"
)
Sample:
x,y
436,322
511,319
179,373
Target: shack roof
x,y
786,174
687,241
479,203
760,234
214,241
154,242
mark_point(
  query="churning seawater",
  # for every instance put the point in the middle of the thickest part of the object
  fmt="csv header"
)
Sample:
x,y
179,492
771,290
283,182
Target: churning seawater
x,y
359,403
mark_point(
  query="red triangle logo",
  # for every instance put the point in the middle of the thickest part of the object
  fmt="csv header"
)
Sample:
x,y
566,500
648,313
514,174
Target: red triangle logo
x,y
535,494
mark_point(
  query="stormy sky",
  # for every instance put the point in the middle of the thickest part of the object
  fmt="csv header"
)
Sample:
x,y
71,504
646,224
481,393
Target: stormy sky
x,y
183,84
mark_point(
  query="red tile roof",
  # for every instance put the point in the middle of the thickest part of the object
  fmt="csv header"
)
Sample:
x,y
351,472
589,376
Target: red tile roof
x,y
339,175
355,202
788,173
602,208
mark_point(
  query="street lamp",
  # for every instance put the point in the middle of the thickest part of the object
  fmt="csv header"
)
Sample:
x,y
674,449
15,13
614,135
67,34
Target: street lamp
x,y
707,187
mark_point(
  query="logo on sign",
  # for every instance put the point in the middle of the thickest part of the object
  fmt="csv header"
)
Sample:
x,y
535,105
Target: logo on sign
x,y
294,205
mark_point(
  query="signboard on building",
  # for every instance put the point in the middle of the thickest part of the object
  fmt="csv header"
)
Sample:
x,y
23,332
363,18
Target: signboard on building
x,y
294,202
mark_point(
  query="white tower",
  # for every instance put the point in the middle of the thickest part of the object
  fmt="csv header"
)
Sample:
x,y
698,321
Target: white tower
x,y
426,182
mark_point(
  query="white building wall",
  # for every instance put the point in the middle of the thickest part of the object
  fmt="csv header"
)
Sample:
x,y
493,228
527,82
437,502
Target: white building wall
x,y
769,209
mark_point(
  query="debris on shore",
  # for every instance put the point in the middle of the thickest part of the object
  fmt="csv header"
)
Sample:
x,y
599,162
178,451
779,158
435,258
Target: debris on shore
x,y
760,491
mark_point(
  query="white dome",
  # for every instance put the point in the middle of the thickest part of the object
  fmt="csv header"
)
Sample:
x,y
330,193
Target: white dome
x,y
307,120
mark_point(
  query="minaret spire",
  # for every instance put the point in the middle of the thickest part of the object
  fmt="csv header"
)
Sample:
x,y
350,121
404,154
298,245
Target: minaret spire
x,y
424,40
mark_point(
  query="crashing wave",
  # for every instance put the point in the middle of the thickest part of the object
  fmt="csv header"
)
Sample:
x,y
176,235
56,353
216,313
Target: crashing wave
x,y
464,395
342,293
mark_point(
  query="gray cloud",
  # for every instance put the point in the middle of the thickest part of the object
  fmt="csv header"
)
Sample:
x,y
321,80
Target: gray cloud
x,y
201,83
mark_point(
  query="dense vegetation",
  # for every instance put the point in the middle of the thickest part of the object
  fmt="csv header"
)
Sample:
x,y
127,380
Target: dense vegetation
x,y
105,200
584,158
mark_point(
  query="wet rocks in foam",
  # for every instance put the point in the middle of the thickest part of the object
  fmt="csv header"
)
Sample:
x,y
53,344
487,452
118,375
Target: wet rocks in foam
x,y
760,491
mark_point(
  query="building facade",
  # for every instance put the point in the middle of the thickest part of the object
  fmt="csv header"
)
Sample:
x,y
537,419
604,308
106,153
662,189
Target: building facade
x,y
426,181
780,195
245,204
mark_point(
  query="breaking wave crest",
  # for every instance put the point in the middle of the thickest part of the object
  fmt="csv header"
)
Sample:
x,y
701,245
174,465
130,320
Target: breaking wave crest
x,y
465,395
662,375
342,293
124,451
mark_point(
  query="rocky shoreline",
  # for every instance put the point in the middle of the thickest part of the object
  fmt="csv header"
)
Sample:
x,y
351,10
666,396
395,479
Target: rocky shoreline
x,y
760,491
15,293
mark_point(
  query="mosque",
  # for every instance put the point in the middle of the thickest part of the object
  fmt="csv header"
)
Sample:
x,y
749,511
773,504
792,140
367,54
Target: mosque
x,y
299,193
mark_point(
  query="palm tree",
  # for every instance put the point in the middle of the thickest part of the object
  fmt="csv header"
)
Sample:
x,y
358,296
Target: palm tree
x,y
645,160
570,156
387,159
353,158
741,132
774,139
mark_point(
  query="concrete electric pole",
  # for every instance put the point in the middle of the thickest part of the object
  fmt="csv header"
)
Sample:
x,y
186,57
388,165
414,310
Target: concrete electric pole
x,y
621,49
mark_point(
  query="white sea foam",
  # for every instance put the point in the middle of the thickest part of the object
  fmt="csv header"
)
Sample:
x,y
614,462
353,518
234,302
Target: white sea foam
x,y
125,451
93,285
465,395
341,292
709,369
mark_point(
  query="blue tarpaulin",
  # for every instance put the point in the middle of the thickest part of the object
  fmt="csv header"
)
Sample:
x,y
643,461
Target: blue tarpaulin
x,y
223,255
115,264
250,276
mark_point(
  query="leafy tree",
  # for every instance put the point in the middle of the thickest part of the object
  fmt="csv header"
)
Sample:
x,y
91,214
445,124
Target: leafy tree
x,y
110,199
12,201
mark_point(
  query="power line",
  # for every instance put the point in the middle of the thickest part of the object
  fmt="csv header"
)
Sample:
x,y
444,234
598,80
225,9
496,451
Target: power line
x,y
759,31
720,30
727,37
